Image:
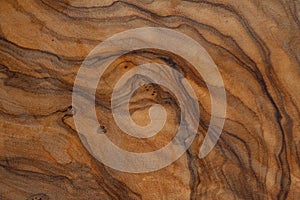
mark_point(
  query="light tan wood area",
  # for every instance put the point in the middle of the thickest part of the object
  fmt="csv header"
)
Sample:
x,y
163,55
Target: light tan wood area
x,y
254,43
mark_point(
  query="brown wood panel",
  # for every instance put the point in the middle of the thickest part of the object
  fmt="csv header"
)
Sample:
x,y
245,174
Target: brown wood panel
x,y
254,43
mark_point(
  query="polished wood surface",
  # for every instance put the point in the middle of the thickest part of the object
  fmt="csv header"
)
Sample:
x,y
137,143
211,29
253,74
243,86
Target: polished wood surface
x,y
256,46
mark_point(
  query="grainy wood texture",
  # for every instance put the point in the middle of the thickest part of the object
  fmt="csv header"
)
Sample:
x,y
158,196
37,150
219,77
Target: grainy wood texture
x,y
255,45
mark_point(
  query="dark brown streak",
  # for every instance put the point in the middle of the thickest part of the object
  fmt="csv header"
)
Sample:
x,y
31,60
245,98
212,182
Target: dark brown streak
x,y
31,84
285,179
60,58
35,116
45,28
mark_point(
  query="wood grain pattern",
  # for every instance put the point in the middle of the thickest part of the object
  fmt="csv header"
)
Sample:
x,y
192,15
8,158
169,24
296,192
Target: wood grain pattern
x,y
255,45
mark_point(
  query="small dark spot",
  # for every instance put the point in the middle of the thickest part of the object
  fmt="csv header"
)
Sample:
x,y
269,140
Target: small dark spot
x,y
52,40
72,109
152,94
39,196
102,129
125,67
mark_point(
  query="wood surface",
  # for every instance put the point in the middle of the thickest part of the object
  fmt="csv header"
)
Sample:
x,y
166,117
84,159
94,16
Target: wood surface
x,y
254,43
